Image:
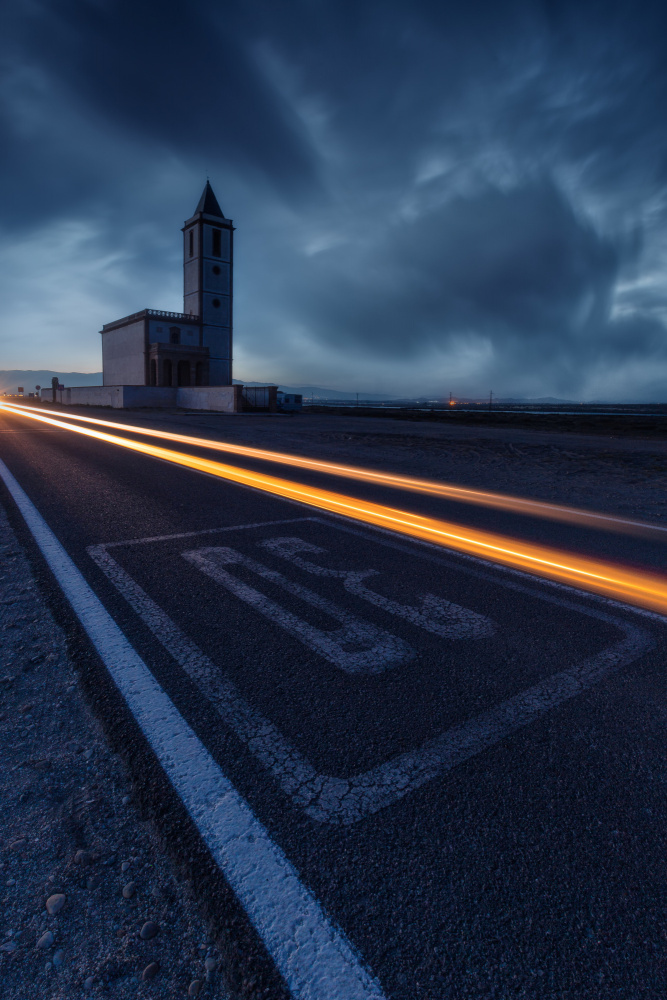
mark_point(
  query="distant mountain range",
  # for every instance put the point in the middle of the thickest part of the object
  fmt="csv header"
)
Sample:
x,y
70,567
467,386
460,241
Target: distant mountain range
x,y
12,379
320,392
538,400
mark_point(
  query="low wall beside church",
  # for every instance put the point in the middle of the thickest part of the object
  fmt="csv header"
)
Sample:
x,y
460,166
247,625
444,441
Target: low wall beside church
x,y
221,398
118,396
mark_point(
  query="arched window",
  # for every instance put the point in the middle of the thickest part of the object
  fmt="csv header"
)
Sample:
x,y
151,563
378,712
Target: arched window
x,y
153,371
184,373
174,334
166,372
192,243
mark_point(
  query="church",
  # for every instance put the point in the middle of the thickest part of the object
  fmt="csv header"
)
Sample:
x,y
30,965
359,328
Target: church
x,y
192,348
156,358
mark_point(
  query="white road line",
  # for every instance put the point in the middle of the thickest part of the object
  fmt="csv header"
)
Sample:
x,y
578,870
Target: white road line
x,y
314,957
205,531
295,775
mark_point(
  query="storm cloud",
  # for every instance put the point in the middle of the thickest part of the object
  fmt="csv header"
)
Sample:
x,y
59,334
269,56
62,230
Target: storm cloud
x,y
428,197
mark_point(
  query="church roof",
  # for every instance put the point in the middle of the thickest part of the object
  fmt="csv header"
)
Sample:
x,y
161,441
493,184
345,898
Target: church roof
x,y
208,203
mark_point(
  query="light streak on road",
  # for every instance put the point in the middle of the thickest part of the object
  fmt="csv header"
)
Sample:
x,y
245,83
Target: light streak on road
x,y
632,586
499,501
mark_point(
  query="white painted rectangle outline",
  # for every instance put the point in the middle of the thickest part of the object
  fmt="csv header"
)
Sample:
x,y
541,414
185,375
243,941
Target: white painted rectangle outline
x,y
344,801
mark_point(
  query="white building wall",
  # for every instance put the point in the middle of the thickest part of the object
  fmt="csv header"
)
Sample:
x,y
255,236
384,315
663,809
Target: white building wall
x,y
123,355
225,241
191,271
86,395
159,332
222,398
149,395
215,314
191,279
117,396
219,372
207,291
216,276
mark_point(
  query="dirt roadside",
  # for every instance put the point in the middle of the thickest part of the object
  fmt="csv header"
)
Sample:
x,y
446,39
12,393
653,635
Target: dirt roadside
x,y
72,838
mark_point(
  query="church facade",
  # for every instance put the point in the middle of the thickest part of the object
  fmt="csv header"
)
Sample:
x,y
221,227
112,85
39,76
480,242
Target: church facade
x,y
193,348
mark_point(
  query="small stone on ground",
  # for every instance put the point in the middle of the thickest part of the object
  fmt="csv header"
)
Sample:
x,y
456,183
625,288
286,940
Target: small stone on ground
x,y
55,903
150,971
46,940
149,930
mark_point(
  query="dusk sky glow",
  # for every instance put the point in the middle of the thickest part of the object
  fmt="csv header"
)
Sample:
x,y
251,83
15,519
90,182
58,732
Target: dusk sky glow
x,y
428,197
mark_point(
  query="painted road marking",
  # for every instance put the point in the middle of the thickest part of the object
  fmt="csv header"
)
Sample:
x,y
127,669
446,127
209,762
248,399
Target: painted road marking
x,y
435,614
330,799
312,954
357,647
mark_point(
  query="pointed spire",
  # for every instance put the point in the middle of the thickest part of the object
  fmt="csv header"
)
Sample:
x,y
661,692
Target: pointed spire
x,y
208,203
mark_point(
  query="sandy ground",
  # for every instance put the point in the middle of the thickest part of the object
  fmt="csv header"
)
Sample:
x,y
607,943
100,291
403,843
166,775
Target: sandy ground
x,y
69,828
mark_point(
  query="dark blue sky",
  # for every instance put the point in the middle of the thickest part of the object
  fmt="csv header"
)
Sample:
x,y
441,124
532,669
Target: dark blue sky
x,y
428,196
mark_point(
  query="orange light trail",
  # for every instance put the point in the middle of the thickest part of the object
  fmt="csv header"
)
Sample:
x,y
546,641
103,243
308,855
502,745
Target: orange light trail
x,y
644,589
499,501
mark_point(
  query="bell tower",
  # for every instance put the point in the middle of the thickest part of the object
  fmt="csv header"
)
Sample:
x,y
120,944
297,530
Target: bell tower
x,y
208,260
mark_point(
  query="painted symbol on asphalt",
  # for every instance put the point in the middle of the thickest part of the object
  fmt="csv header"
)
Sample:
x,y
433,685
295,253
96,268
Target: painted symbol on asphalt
x,y
325,797
434,614
357,647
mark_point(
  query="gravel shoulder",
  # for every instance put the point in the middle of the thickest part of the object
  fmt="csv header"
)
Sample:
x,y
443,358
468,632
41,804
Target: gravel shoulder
x,y
73,840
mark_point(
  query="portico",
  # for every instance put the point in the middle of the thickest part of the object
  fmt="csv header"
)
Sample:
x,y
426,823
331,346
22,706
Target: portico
x,y
173,364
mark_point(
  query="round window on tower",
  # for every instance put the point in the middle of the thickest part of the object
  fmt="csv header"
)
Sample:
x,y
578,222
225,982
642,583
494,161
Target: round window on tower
x,y
216,303
216,269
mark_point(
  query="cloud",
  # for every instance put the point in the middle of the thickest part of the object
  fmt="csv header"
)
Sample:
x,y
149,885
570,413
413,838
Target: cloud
x,y
472,194
516,263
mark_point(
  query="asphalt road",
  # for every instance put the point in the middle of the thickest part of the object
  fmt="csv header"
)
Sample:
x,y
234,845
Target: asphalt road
x,y
464,767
